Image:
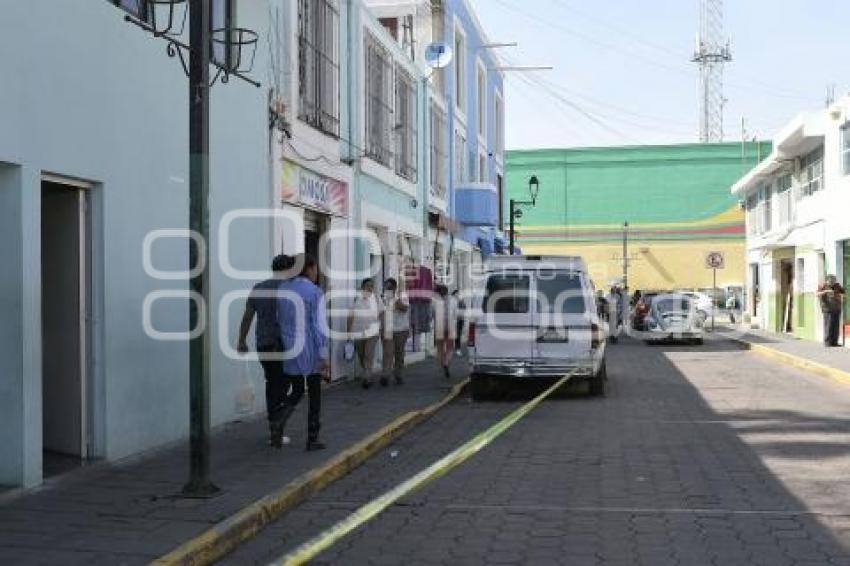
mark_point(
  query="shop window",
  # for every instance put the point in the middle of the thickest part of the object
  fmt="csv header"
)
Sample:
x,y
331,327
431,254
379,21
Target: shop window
x,y
405,128
318,64
379,102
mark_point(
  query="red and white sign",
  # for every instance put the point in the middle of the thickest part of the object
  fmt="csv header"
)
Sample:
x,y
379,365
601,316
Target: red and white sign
x,y
715,260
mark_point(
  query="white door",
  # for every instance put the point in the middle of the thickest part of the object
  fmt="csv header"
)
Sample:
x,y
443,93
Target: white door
x,y
562,316
505,329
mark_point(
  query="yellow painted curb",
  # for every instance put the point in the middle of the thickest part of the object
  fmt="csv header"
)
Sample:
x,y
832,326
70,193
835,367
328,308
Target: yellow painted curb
x,y
244,525
818,368
372,509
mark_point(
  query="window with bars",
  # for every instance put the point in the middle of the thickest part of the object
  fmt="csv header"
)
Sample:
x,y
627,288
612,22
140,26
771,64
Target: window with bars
x,y
783,197
379,102
460,158
767,208
845,148
439,152
318,64
482,101
811,173
499,125
405,127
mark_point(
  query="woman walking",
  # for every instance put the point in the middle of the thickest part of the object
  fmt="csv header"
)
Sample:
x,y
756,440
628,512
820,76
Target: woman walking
x,y
363,328
445,327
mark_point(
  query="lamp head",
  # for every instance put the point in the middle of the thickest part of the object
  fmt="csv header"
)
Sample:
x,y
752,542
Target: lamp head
x,y
534,187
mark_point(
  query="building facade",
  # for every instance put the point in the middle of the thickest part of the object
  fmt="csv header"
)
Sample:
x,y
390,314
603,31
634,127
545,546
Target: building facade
x,y
674,198
797,230
344,152
94,168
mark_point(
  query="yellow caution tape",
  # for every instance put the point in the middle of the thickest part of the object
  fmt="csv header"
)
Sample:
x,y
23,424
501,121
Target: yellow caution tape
x,y
367,512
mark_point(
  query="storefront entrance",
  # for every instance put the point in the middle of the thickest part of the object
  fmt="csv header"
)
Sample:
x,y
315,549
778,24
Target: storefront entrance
x,y
786,296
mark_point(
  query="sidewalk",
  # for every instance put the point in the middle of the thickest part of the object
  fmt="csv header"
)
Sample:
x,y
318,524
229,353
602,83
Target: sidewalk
x,y
130,512
808,354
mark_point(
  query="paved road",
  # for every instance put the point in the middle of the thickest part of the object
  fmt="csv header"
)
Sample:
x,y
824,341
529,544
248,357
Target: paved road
x,y
698,455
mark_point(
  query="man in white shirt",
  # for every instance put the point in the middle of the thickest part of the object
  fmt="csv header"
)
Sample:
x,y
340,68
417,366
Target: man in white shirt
x,y
363,328
395,330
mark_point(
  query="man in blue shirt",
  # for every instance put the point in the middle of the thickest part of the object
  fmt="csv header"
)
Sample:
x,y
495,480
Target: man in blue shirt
x,y
304,335
262,302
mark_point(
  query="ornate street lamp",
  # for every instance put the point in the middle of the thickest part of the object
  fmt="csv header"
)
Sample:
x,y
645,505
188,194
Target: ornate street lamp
x,y
515,212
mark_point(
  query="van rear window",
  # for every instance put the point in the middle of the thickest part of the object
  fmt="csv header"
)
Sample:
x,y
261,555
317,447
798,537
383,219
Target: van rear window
x,y
560,293
507,294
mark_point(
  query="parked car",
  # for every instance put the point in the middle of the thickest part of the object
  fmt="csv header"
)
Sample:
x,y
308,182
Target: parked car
x,y
705,305
674,318
536,319
641,309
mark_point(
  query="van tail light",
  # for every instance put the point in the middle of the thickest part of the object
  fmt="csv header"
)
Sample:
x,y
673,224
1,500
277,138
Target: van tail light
x,y
597,336
471,338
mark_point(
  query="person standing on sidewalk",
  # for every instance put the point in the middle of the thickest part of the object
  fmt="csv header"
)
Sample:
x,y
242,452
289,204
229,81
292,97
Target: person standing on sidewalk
x,y
364,327
262,302
831,297
394,332
461,309
445,326
304,335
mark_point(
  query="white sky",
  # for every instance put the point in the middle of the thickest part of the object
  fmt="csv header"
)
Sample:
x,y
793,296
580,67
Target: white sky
x,y
623,73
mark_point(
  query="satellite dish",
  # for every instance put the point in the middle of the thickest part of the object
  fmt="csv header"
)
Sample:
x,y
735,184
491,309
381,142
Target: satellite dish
x,y
438,55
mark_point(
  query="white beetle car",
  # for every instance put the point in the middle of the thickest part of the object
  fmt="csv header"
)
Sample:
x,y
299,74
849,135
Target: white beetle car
x,y
674,318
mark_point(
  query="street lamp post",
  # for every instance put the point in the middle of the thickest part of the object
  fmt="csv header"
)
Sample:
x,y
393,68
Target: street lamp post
x,y
533,190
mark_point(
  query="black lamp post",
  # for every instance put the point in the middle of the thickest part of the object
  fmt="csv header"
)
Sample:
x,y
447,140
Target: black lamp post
x,y
533,190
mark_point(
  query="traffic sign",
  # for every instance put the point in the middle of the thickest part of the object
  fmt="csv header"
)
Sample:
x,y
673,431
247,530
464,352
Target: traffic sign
x,y
715,260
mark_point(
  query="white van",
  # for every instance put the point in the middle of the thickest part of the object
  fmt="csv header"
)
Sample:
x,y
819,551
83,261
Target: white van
x,y
535,317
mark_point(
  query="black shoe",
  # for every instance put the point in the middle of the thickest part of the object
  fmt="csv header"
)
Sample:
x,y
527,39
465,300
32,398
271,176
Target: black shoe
x,y
366,384
315,445
384,382
276,435
446,372
399,380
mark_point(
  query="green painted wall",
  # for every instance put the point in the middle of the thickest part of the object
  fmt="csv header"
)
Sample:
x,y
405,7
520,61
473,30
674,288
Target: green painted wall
x,y
653,185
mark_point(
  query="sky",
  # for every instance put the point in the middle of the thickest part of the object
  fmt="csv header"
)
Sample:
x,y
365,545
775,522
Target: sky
x,y
622,72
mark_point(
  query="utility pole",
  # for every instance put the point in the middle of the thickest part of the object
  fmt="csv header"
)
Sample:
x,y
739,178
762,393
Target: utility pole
x,y
511,237
199,484
626,257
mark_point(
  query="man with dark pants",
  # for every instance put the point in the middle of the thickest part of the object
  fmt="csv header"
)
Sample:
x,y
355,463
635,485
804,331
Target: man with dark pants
x,y
262,302
831,296
304,335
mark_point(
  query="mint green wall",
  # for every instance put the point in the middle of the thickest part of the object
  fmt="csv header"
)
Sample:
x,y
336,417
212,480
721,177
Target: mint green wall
x,y
644,184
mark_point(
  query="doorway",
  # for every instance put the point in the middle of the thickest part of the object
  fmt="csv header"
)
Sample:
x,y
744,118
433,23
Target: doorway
x,y
315,226
786,295
66,337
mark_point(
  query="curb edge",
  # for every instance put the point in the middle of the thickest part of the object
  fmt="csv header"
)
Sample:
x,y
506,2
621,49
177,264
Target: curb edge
x,y
246,523
817,368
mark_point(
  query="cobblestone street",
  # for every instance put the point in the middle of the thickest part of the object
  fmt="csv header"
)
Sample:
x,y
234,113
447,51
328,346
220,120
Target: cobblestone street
x,y
706,455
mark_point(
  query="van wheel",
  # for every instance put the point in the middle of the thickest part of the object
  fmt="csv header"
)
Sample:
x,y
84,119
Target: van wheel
x,y
482,388
597,383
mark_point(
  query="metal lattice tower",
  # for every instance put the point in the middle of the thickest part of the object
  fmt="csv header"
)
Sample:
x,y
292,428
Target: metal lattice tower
x,y
712,53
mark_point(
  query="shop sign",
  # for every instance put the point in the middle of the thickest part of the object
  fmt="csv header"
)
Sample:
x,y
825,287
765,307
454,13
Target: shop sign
x,y
300,186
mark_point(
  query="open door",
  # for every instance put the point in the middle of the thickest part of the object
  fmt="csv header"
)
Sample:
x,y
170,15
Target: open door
x,y
65,302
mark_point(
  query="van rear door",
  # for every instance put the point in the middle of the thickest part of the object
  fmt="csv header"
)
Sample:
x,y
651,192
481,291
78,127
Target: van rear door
x,y
563,317
505,330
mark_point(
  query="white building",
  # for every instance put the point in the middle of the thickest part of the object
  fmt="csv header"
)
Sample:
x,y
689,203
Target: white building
x,y
797,226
